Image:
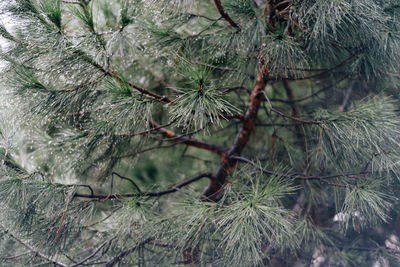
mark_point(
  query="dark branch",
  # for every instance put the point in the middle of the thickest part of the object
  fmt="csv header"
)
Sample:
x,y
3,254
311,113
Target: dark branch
x,y
286,115
234,88
128,179
93,253
125,253
150,194
225,15
142,90
147,149
299,176
307,97
326,71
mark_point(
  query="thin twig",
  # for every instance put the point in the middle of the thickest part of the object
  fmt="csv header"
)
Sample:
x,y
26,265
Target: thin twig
x,y
93,253
299,176
172,136
125,253
128,179
286,115
146,131
147,149
307,97
234,88
106,218
169,190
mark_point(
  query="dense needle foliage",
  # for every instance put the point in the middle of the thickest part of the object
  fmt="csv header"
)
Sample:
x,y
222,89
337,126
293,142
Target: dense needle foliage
x,y
200,133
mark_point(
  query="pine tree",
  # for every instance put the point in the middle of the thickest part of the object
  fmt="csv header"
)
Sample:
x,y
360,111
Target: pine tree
x,y
202,133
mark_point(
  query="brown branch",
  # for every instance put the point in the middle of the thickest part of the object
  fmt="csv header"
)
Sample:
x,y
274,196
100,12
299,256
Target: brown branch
x,y
241,139
225,15
64,214
284,11
169,190
281,3
189,141
267,12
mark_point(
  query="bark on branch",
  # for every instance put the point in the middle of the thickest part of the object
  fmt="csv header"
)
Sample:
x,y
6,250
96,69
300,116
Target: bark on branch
x,y
225,15
241,139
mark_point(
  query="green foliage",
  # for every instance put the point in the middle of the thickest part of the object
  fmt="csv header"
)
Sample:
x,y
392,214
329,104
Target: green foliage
x,y
283,53
366,136
37,211
253,214
53,11
109,110
85,14
199,102
366,204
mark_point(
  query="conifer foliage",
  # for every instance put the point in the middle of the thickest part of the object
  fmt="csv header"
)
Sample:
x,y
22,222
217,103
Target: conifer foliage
x,y
200,133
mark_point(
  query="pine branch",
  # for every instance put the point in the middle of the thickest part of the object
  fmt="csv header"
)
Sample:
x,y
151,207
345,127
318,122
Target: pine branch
x,y
36,251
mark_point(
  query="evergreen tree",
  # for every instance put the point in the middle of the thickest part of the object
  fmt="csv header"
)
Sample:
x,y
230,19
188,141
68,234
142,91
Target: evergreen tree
x,y
208,133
